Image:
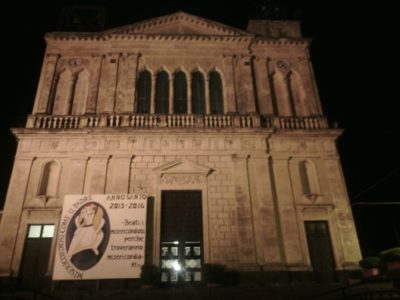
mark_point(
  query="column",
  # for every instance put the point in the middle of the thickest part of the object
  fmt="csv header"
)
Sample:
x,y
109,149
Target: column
x,y
246,237
287,213
94,84
77,172
230,84
264,213
171,95
118,174
107,86
189,95
153,94
95,182
126,85
207,93
46,84
12,212
263,86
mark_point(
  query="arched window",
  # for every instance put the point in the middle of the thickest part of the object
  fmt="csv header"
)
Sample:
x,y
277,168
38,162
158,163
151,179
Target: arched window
x,y
308,177
143,92
62,94
216,98
162,93
297,95
180,93
198,94
49,181
80,93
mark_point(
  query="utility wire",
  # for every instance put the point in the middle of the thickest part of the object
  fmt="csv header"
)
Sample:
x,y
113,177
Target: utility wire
x,y
375,184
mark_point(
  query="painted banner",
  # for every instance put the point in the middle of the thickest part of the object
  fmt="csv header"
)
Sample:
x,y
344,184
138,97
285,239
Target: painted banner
x,y
101,237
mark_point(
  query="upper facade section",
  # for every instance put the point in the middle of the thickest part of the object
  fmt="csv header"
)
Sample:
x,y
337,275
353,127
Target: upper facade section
x,y
178,68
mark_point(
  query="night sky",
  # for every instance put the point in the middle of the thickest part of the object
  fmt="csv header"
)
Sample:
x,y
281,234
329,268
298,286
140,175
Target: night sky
x,y
355,53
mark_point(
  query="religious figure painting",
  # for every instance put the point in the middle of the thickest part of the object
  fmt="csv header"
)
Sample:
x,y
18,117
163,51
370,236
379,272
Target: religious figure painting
x,y
87,235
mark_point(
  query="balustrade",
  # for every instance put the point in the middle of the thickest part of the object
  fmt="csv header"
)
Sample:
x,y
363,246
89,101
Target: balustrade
x,y
175,121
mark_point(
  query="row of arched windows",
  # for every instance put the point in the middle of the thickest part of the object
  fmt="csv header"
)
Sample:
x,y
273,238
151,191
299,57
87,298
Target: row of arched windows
x,y
185,99
71,92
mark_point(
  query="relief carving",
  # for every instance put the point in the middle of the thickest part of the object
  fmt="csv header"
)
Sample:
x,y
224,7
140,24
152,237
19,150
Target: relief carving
x,y
197,143
132,143
90,144
182,179
75,145
248,144
112,144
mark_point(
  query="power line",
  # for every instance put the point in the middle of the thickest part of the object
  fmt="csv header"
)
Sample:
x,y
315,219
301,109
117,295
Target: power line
x,y
375,184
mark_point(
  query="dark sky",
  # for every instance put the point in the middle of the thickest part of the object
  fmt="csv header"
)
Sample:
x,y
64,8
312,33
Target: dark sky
x,y
355,53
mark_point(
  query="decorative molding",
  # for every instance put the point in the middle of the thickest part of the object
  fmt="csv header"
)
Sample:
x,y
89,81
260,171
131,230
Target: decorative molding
x,y
182,179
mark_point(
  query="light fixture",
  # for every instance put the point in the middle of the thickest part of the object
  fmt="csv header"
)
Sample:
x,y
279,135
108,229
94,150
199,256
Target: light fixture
x,y
177,267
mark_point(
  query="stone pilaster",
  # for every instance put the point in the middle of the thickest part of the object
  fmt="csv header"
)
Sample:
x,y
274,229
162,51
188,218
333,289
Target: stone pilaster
x,y
246,242
126,85
264,213
94,83
344,218
12,213
95,182
287,213
107,86
263,86
312,102
246,101
118,174
46,84
77,174
230,85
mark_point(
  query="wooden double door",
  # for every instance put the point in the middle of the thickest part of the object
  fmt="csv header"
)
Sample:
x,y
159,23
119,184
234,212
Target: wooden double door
x,y
181,253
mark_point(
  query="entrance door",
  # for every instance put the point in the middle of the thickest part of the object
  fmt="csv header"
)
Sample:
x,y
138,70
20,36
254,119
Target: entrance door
x,y
320,250
35,258
181,237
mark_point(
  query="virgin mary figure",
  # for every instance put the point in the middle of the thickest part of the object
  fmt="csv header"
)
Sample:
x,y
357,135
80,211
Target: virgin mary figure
x,y
88,234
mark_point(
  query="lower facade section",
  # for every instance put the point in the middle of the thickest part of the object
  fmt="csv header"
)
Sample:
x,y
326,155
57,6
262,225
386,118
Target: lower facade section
x,y
272,207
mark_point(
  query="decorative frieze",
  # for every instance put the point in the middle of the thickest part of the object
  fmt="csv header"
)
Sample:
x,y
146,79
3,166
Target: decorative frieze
x,y
127,143
185,179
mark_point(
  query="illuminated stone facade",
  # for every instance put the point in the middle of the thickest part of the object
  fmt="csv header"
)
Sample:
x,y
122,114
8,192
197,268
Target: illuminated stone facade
x,y
258,147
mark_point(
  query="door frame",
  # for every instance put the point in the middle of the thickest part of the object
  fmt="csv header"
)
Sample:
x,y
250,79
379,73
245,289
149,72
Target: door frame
x,y
182,243
320,213
31,217
169,182
329,238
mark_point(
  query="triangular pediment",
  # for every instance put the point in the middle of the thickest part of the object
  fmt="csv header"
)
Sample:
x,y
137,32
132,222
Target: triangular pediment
x,y
179,23
183,166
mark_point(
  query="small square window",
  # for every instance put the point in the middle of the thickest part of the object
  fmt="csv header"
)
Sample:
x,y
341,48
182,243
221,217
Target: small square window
x,y
197,276
34,231
48,231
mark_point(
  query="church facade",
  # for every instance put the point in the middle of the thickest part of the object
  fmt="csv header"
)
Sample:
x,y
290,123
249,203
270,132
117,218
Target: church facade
x,y
222,128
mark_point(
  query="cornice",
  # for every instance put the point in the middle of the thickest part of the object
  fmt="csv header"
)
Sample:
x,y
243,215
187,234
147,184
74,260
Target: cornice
x,y
91,37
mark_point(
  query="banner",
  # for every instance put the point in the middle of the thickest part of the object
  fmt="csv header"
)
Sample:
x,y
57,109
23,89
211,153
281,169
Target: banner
x,y
101,237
